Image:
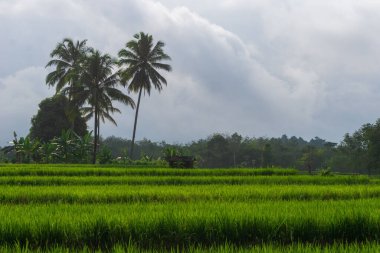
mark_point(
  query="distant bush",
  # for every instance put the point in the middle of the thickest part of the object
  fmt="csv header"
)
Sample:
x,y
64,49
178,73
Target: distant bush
x,y
325,171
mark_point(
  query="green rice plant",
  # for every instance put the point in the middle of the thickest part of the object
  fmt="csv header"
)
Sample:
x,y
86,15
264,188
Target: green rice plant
x,y
186,180
76,170
226,248
71,208
182,193
171,225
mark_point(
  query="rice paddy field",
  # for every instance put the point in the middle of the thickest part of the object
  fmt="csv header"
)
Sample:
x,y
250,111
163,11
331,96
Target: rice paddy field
x,y
73,208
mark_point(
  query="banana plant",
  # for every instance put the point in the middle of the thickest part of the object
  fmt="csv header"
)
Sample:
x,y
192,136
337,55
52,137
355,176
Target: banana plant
x,y
24,148
170,152
12,147
28,148
48,151
65,145
83,147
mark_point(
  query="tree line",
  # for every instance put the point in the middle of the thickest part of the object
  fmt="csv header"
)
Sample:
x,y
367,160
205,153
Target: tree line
x,y
229,151
356,153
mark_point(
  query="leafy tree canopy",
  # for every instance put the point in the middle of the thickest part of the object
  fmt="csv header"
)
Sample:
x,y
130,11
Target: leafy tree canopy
x,y
52,118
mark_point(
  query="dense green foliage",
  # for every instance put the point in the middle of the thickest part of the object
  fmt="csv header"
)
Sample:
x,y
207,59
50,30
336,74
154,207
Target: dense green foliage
x,y
235,151
83,208
68,147
361,150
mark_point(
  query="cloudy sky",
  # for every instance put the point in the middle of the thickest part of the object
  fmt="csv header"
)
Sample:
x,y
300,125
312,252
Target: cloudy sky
x,y
256,67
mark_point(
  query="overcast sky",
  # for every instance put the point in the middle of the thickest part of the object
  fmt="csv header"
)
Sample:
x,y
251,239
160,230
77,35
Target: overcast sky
x,y
256,67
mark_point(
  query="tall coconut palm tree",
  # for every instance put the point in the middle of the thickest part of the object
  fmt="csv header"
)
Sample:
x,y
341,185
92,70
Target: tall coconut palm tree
x,y
99,90
142,60
68,56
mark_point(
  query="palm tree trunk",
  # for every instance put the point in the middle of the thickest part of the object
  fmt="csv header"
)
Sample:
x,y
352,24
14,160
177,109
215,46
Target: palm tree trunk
x,y
95,135
234,159
134,127
98,134
70,111
98,129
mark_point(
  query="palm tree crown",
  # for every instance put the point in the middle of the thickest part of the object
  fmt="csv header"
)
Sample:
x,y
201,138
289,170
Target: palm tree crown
x,y
142,60
67,58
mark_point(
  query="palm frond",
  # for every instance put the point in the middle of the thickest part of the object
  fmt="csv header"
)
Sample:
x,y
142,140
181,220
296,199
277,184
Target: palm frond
x,y
163,66
126,54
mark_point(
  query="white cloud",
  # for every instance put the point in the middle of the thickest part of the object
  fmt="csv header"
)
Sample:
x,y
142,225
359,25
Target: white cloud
x,y
258,67
19,98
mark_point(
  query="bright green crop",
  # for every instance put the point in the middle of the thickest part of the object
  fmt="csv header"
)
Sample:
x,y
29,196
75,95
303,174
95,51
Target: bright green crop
x,y
182,193
202,223
186,180
74,208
